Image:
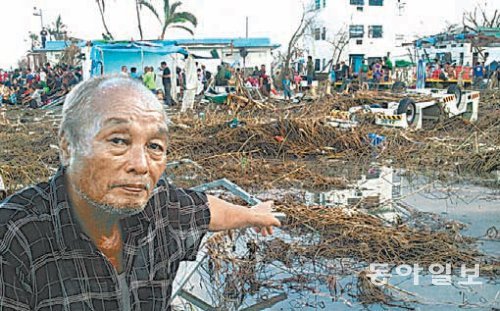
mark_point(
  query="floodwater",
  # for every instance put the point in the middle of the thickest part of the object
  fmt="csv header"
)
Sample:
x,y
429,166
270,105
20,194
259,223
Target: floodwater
x,y
477,207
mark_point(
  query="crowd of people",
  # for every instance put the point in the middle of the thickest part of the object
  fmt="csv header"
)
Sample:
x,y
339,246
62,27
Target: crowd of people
x,y
36,88
159,81
447,71
380,70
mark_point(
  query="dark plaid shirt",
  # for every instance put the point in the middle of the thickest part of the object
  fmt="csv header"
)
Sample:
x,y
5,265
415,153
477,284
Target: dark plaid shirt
x,y
48,263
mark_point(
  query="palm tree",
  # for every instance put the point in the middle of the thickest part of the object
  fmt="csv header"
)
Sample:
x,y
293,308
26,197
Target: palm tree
x,y
138,7
58,29
102,7
171,18
34,39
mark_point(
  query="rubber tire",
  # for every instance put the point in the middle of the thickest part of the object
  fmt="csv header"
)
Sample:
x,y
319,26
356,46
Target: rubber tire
x,y
455,89
398,87
404,104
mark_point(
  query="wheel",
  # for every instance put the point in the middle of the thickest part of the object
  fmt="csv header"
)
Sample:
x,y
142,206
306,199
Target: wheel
x,y
407,105
398,87
455,89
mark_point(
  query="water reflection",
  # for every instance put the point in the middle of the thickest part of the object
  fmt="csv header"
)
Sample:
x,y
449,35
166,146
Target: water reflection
x,y
330,284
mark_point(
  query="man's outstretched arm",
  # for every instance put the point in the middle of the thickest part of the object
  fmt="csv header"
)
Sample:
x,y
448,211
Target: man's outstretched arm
x,y
226,216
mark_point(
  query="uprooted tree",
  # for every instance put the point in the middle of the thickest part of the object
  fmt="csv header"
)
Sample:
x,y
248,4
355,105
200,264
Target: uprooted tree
x,y
479,18
306,21
339,41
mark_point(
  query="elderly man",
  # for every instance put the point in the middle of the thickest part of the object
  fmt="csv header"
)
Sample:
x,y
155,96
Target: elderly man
x,y
107,232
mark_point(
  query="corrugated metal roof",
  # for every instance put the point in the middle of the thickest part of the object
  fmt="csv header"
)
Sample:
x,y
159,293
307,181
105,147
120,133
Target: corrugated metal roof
x,y
237,42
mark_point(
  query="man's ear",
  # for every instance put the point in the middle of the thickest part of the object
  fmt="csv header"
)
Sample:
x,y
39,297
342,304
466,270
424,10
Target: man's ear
x,y
64,148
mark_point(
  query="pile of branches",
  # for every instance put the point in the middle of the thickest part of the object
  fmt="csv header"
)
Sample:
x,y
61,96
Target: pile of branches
x,y
277,147
318,246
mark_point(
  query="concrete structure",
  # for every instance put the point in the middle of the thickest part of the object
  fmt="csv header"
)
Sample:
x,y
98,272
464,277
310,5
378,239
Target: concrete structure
x,y
230,50
371,27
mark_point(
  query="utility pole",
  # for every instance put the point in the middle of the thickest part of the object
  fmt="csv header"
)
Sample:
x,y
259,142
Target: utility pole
x,y
247,27
245,54
38,12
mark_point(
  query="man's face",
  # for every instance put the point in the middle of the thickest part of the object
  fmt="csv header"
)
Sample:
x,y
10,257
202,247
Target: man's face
x,y
127,156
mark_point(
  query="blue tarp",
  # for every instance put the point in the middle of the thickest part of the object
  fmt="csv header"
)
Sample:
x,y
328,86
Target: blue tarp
x,y
109,58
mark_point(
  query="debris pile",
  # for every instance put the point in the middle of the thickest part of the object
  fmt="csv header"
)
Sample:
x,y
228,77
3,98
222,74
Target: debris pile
x,y
314,238
284,146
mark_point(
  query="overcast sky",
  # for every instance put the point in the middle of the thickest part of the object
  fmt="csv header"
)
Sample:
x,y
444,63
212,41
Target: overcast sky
x,y
275,19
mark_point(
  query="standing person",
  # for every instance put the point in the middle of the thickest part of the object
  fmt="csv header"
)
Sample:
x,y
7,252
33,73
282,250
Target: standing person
x,y
167,83
149,79
478,74
344,71
378,73
497,72
363,72
297,79
43,75
124,71
287,92
332,77
256,72
181,81
388,65
451,72
133,73
43,36
310,71
206,77
264,81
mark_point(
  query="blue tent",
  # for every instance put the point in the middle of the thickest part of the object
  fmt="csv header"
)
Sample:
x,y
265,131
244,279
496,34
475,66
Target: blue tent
x,y
108,58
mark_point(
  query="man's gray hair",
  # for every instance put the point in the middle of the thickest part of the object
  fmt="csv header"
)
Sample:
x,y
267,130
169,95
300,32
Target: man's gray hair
x,y
80,118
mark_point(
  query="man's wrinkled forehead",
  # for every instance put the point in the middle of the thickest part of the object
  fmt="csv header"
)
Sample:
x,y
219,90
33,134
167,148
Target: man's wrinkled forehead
x,y
117,121
111,96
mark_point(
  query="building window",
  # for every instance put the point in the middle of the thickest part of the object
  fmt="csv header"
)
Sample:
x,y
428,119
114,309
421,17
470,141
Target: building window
x,y
356,31
317,4
359,42
323,33
324,3
359,9
376,2
317,34
375,31
357,2
324,64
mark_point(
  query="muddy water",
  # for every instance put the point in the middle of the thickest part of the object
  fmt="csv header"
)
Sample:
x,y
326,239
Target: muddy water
x,y
477,207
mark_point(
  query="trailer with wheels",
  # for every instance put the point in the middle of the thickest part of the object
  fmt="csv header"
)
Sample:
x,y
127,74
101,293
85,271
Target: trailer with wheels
x,y
409,113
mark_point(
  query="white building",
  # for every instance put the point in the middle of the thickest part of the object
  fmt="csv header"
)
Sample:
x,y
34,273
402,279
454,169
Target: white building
x,y
461,48
371,28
